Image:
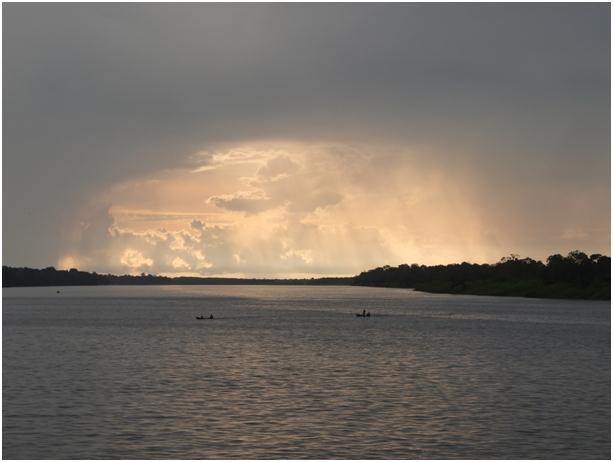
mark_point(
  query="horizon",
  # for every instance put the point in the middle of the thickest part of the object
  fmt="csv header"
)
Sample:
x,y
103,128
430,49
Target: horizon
x,y
289,277
271,141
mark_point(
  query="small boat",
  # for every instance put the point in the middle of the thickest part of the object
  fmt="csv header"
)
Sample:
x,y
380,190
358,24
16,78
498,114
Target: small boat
x,y
202,317
364,314
199,317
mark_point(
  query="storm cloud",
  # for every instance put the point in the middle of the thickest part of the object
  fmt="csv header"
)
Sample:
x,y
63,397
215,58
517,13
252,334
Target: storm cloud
x,y
338,135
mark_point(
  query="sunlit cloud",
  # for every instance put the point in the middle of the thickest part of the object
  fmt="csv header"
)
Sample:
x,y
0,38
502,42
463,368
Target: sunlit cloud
x,y
135,260
311,209
303,144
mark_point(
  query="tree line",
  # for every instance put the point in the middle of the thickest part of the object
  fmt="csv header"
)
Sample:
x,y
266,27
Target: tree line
x,y
29,277
576,275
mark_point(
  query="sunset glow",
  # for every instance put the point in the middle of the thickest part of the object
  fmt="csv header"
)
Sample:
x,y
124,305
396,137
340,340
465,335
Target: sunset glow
x,y
289,231
279,208
313,149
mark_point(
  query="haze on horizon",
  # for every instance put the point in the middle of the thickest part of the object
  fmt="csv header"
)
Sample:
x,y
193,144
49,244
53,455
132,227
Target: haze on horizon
x,y
282,140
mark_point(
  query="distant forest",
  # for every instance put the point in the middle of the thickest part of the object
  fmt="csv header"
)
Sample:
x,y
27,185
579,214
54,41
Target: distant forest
x,y
575,276
24,277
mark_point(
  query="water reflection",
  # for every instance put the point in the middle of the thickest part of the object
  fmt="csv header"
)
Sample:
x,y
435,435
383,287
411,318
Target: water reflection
x,y
291,373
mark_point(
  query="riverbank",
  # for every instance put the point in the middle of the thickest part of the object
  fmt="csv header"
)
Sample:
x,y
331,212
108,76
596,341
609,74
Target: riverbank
x,y
576,276
530,289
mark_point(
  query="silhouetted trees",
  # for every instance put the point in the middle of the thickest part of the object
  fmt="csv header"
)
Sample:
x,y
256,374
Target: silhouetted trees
x,y
22,277
573,276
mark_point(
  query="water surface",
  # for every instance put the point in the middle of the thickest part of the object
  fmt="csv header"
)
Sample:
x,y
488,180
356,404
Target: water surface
x,y
290,372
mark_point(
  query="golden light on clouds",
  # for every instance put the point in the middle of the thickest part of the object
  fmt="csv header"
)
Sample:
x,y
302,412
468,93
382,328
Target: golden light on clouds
x,y
133,259
302,143
277,209
67,262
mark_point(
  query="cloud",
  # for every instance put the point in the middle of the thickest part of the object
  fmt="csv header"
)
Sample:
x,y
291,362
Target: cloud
x,y
243,201
135,260
179,263
228,156
455,131
306,255
320,209
277,168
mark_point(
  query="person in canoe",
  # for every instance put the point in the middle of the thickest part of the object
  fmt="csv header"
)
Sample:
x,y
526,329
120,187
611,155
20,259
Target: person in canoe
x,y
202,317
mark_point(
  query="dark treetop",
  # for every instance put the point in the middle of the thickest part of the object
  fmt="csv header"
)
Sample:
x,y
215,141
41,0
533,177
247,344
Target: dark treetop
x,y
573,276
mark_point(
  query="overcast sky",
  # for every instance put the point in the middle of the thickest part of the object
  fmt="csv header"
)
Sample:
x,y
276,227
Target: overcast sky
x,y
313,139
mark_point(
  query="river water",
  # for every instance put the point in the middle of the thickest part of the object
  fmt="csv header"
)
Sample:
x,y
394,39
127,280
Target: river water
x,y
291,372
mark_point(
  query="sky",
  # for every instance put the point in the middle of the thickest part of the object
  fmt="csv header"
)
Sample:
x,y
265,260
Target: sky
x,y
302,140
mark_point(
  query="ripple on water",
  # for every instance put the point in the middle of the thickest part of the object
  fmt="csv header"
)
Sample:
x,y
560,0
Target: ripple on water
x,y
291,373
